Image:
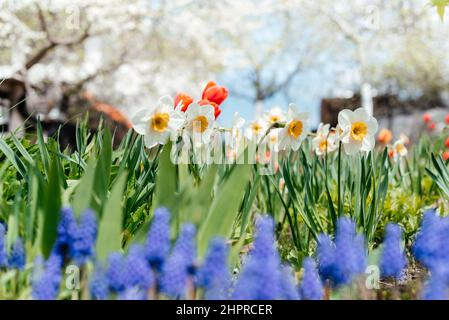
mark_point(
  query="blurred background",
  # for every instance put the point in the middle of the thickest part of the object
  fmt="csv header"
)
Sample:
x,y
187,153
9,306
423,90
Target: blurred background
x,y
60,59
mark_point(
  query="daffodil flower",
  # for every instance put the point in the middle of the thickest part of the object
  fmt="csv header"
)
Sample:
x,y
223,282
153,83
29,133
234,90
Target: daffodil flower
x,y
398,150
358,130
275,115
158,124
325,140
200,122
295,130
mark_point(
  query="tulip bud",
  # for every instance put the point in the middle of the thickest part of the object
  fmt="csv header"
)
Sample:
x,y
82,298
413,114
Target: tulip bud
x,y
385,136
445,155
431,126
446,119
206,102
215,93
184,99
427,117
446,142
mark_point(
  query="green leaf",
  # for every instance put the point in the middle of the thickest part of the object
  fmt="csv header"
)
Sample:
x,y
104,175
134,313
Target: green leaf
x,y
13,158
224,208
110,227
166,181
51,209
84,190
42,149
102,173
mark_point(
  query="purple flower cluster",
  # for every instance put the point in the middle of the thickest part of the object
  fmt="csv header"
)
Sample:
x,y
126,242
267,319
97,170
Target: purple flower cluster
x,y
345,258
76,240
16,258
392,260
311,287
214,276
431,250
46,277
261,277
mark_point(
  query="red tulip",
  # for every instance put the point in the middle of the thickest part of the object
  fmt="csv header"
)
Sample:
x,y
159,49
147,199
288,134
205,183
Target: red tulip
x,y
445,155
431,126
185,99
215,93
427,117
446,142
206,102
446,119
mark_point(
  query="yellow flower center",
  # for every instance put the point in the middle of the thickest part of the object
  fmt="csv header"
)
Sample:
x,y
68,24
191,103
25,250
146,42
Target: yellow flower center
x,y
200,124
323,144
399,147
159,121
274,118
359,130
295,128
256,127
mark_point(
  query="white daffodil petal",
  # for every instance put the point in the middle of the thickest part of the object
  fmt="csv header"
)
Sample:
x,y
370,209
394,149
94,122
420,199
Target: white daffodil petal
x,y
345,117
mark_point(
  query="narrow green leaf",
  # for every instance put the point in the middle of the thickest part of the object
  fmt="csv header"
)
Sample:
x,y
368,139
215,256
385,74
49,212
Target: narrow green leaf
x,y
110,227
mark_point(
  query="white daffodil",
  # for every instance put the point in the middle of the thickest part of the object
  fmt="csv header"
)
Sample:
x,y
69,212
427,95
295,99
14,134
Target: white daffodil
x,y
158,124
272,139
275,115
200,123
295,130
398,150
358,130
325,140
236,131
256,130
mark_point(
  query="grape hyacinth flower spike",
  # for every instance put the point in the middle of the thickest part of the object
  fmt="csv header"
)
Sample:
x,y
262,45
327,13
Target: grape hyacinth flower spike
x,y
180,265
311,287
158,240
260,275
392,259
214,276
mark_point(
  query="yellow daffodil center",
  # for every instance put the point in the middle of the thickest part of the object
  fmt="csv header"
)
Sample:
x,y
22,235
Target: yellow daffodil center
x,y
295,128
399,147
274,118
323,144
256,127
200,124
359,130
159,121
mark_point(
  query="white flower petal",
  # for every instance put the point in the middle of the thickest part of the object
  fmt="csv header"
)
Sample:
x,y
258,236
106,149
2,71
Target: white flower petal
x,y
345,118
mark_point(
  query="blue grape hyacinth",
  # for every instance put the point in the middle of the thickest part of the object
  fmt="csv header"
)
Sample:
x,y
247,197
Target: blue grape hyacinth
x,y
47,278
311,287
392,260
341,261
158,240
260,275
430,247
98,285
137,272
213,276
115,274
84,236
288,286
17,256
3,254
180,265
66,232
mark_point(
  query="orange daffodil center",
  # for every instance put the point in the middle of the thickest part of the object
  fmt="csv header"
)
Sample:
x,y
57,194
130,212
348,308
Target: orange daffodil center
x,y
323,145
295,128
359,130
159,121
200,124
